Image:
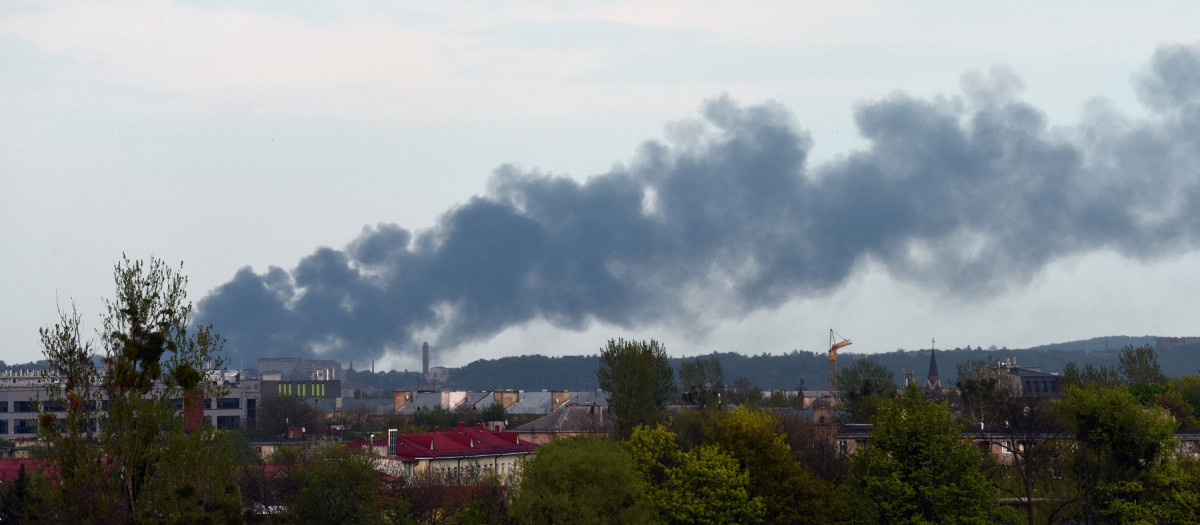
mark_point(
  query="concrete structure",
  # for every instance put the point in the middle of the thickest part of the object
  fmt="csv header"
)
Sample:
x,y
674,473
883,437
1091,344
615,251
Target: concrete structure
x,y
298,368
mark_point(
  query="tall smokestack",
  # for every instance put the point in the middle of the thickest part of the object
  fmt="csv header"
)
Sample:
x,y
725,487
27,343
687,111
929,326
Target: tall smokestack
x,y
425,358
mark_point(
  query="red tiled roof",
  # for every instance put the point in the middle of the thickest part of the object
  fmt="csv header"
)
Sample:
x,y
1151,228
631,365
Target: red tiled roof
x,y
10,468
455,442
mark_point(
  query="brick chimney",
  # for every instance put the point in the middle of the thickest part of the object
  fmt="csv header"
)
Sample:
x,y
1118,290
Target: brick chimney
x,y
193,410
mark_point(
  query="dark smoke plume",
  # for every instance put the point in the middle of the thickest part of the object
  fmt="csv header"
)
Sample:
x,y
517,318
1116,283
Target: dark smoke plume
x,y
966,194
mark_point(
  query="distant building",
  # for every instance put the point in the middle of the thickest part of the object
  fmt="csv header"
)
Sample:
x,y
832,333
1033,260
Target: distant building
x,y
1167,342
437,375
299,368
408,402
1029,381
453,451
567,421
310,390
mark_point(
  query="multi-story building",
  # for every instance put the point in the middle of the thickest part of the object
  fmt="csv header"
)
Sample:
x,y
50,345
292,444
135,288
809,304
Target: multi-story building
x,y
23,396
1028,381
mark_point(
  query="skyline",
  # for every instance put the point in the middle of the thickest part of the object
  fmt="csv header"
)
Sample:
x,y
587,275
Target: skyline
x,y
229,138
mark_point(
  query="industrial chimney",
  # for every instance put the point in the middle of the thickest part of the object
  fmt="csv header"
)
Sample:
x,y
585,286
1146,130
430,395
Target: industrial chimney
x,y
425,358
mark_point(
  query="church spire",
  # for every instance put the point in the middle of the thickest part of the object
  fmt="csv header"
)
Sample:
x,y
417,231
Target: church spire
x,y
933,384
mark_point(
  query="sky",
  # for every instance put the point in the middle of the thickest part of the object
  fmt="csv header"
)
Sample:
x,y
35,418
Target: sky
x,y
346,180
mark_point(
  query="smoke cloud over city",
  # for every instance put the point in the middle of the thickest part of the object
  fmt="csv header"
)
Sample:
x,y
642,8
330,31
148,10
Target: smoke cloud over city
x,y
966,194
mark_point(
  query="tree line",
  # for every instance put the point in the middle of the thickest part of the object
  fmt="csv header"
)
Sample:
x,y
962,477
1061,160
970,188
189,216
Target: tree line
x,y
985,452
795,370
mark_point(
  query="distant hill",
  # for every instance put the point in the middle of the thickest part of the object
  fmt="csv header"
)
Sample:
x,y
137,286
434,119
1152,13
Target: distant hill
x,y
780,372
811,369
1100,343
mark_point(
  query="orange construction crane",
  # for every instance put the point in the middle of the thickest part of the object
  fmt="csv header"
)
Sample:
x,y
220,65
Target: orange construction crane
x,y
834,344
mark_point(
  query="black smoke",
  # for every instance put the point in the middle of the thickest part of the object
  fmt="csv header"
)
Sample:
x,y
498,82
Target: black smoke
x,y
966,194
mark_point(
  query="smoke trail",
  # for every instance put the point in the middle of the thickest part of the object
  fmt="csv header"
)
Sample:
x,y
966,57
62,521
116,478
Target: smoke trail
x,y
967,195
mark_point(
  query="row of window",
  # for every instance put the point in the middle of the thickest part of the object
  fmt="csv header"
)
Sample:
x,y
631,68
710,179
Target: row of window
x,y
19,426
302,389
26,407
30,426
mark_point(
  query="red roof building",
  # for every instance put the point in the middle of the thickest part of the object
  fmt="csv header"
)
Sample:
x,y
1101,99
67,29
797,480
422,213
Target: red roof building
x,y
453,451
10,468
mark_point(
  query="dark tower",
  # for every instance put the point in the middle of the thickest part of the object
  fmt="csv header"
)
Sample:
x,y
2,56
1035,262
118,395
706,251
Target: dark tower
x,y
933,384
425,358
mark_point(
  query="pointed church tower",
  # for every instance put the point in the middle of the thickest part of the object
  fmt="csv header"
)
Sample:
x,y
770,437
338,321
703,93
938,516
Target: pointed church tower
x,y
933,384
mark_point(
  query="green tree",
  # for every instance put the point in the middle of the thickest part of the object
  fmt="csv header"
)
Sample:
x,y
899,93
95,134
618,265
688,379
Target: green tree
x,y
276,413
978,386
1030,431
580,480
153,358
743,391
639,382
1123,459
789,492
702,379
336,485
82,492
239,442
814,447
1188,386
1101,376
915,468
196,483
862,386
703,485
1174,403
1140,365
15,498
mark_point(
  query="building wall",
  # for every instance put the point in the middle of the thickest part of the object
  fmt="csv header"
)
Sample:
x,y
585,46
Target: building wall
x,y
308,389
503,464
19,404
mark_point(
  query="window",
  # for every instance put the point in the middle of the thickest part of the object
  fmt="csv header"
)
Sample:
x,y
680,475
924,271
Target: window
x,y
227,422
226,403
24,426
3,406
24,406
3,427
